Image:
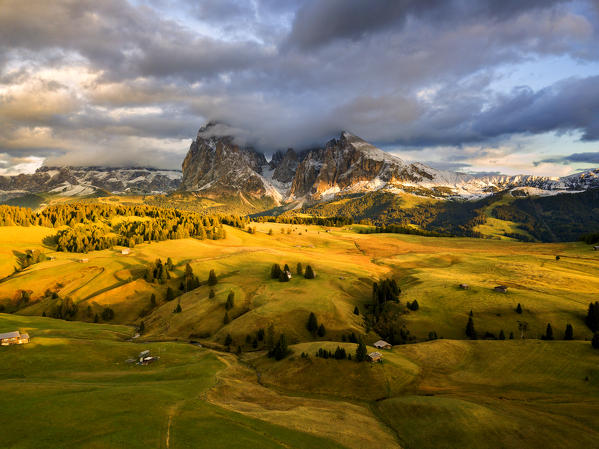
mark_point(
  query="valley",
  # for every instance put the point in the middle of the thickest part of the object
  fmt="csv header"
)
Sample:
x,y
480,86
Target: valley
x,y
214,382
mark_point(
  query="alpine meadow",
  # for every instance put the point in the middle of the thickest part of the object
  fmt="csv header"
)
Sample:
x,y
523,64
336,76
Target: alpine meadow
x,y
312,224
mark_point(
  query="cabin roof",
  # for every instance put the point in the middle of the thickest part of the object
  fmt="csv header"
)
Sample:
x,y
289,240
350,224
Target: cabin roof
x,y
382,343
14,334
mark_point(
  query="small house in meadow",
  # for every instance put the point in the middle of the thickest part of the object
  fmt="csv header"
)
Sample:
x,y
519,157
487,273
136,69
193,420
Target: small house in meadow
x,y
596,248
288,274
501,289
13,338
125,251
464,286
84,260
382,344
375,356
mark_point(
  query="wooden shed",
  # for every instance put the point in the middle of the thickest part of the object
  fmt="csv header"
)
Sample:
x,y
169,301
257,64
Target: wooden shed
x,y
375,356
13,338
501,289
382,344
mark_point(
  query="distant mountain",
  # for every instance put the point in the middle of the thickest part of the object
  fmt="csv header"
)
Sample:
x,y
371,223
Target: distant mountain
x,y
83,181
345,165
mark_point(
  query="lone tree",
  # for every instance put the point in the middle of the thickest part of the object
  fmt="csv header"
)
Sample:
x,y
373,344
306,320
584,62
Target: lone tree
x,y
356,311
312,324
142,328
300,269
595,340
178,309
211,294
153,300
226,319
501,335
212,281
280,349
170,294
321,330
361,352
309,274
275,271
230,301
470,331
228,340
519,309
548,333
592,318
569,334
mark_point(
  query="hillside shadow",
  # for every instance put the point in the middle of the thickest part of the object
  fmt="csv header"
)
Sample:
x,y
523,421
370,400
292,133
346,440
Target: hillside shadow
x,y
49,242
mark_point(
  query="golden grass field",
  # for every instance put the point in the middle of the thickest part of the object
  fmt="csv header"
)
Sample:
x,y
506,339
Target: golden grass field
x,y
444,393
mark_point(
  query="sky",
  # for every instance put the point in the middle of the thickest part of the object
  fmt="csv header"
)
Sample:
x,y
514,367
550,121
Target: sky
x,y
490,86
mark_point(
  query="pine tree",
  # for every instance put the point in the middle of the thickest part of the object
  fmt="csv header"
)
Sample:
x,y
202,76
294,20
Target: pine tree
x,y
569,334
178,309
592,318
153,300
519,309
595,341
275,271
312,324
211,294
321,330
548,333
361,352
280,350
142,328
414,306
170,294
470,331
212,281
228,340
96,318
230,301
270,231
286,268
300,269
501,335
511,335
356,311
309,274
226,319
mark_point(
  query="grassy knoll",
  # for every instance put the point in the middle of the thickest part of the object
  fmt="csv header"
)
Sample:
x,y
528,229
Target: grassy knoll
x,y
71,383
346,263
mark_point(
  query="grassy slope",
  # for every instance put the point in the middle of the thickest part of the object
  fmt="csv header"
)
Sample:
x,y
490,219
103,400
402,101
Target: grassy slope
x,y
428,269
70,388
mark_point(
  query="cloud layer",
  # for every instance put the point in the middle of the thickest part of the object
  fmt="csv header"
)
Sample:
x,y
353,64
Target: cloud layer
x,y
112,82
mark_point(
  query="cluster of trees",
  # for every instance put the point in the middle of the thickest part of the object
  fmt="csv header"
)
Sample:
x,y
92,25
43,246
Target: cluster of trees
x,y
283,274
338,354
399,229
280,349
314,328
590,239
158,272
331,221
413,305
84,238
90,224
30,257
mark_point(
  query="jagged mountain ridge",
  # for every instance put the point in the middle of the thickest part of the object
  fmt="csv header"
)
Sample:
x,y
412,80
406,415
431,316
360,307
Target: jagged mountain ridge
x,y
81,181
344,165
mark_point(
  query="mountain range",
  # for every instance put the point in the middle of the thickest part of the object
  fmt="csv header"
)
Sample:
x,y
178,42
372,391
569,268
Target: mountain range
x,y
216,165
344,165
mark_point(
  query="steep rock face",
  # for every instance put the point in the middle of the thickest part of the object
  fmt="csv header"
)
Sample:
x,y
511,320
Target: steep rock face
x,y
216,164
284,165
350,163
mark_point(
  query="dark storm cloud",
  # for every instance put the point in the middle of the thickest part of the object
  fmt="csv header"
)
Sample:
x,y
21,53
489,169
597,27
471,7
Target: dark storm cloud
x,y
575,158
319,23
286,73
